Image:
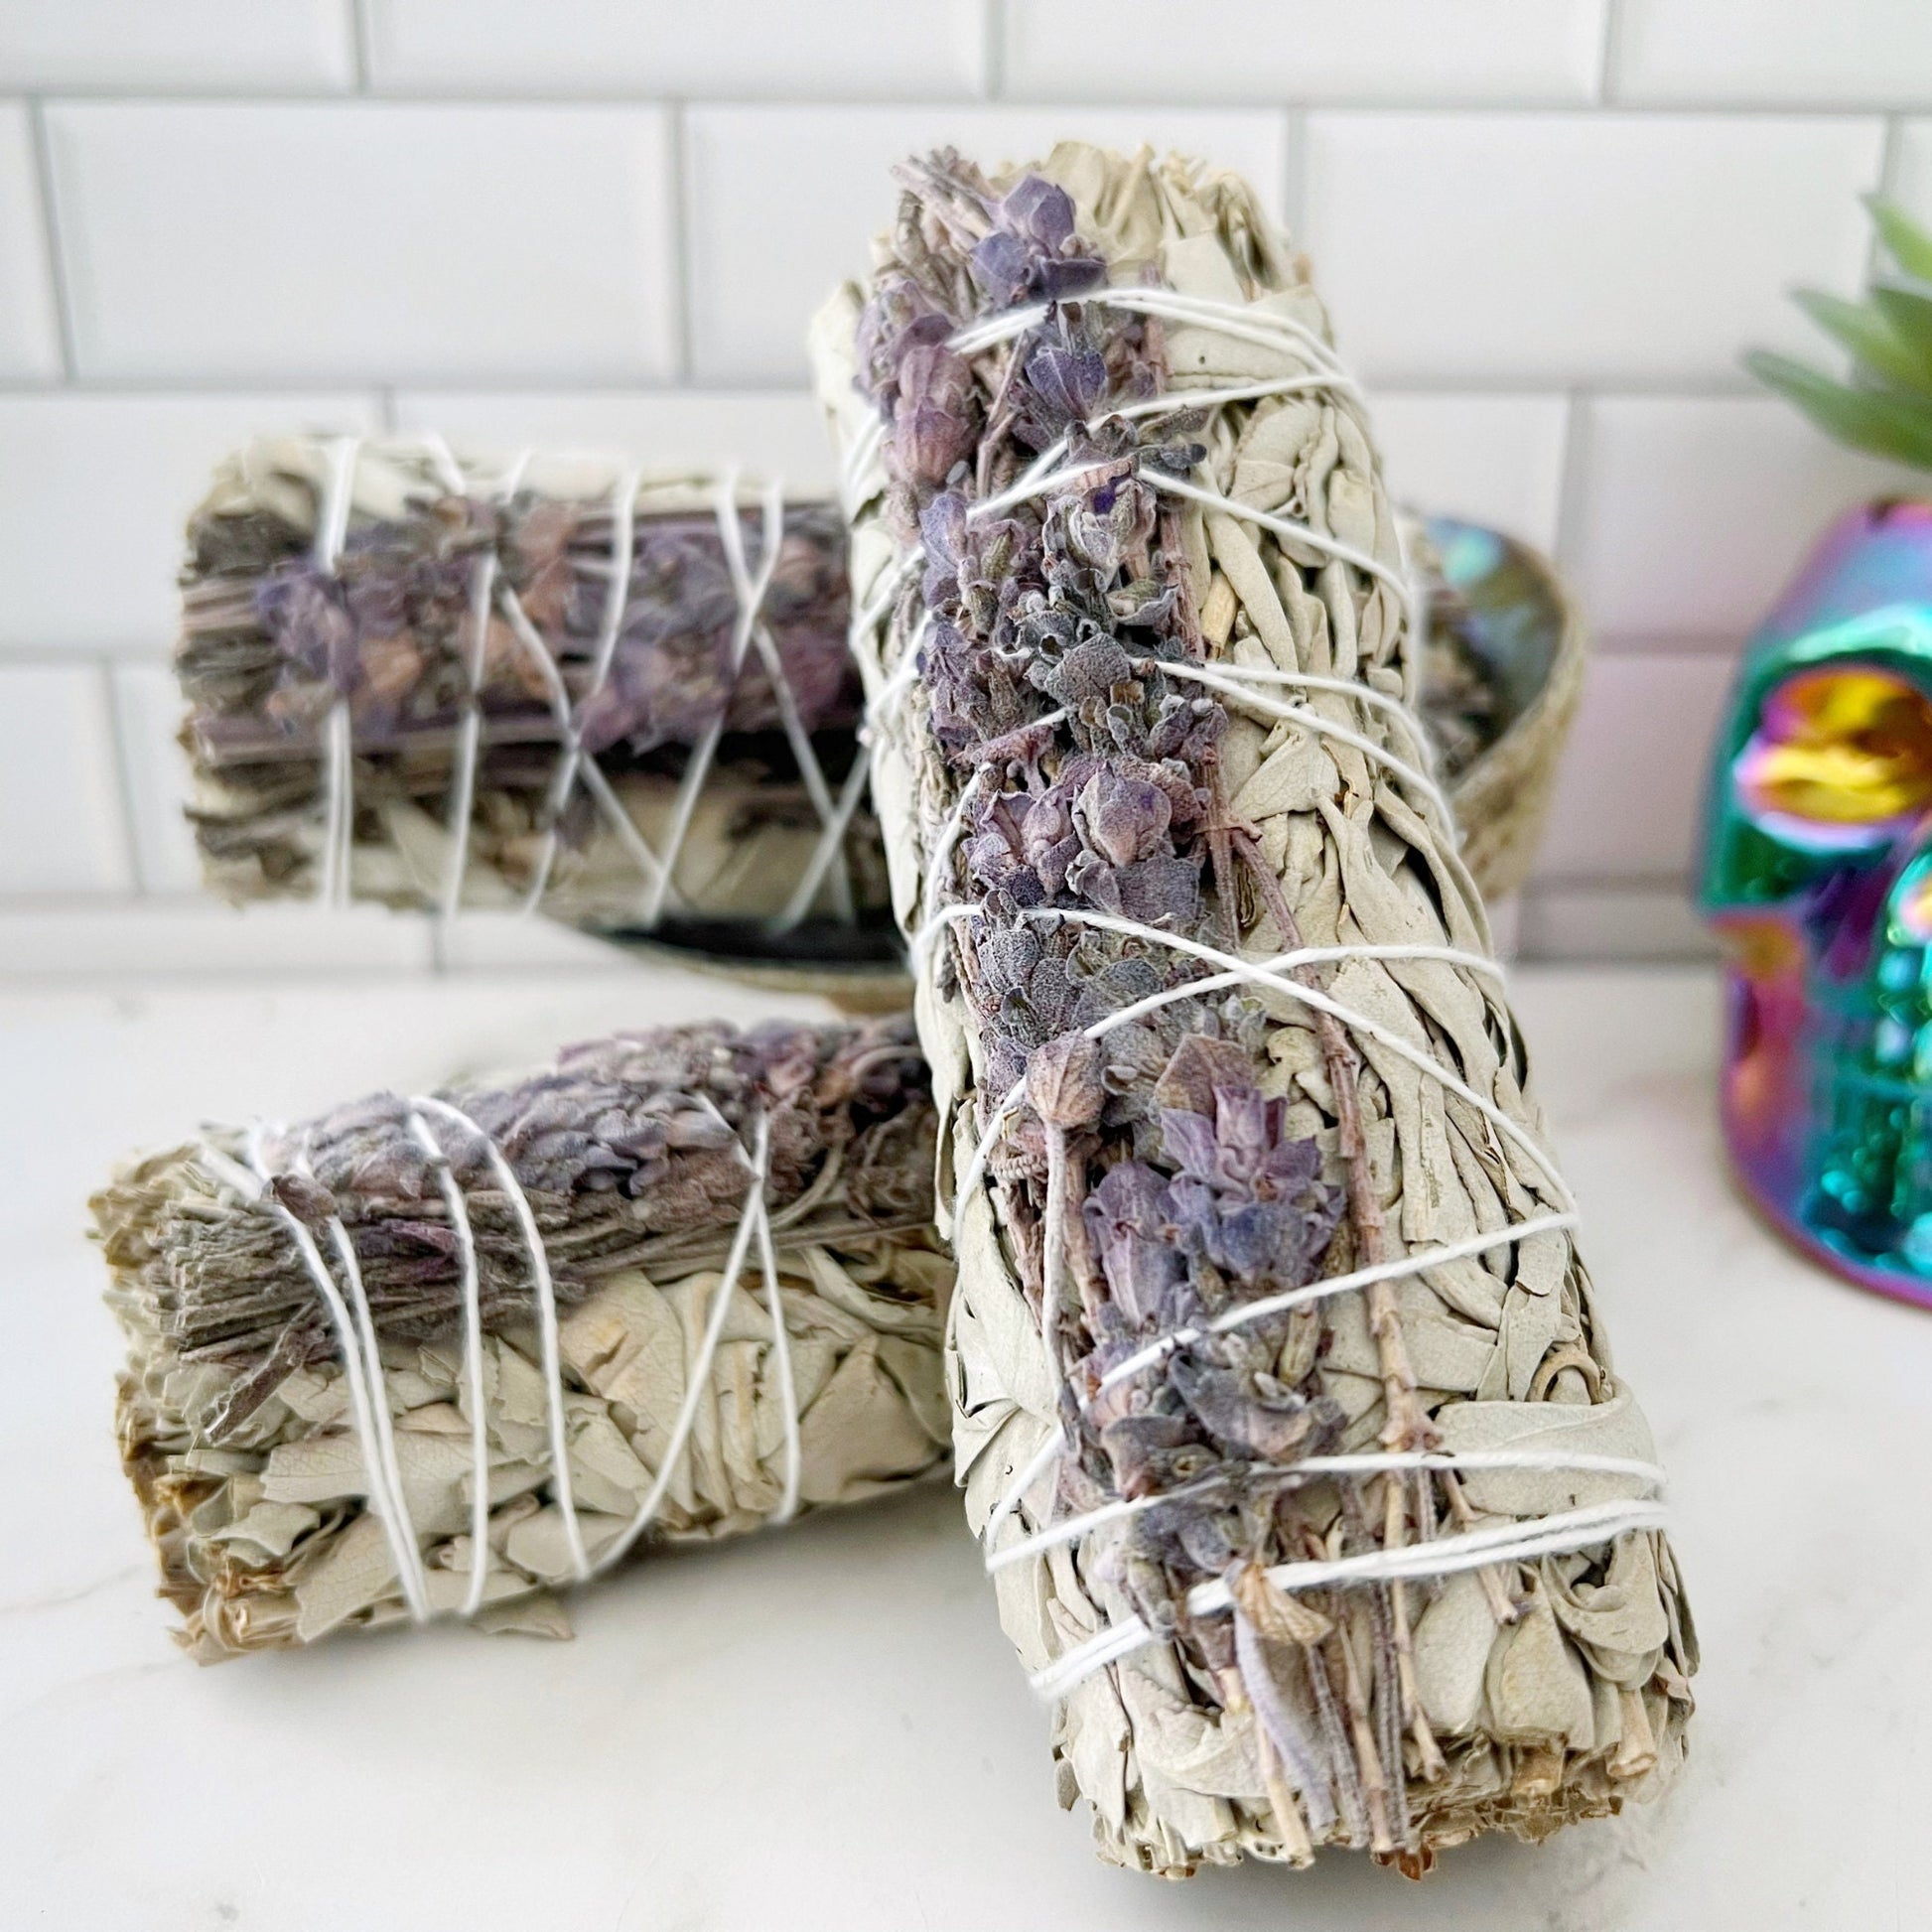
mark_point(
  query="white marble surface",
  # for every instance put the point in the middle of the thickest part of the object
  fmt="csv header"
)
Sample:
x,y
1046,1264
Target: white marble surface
x,y
825,1729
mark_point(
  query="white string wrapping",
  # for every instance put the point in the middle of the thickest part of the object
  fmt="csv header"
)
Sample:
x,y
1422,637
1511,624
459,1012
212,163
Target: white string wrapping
x,y
699,1375
545,1292
473,1359
386,1500
337,770
463,796
588,769
826,872
751,593
1365,1463
1266,974
1442,1556
616,593
360,1351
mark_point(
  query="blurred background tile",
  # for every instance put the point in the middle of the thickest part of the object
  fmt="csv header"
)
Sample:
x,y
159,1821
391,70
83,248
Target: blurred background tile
x,y
209,44
1693,511
1631,787
96,491
61,826
148,710
1269,51
1849,53
739,48
765,432
1495,459
1476,249
241,241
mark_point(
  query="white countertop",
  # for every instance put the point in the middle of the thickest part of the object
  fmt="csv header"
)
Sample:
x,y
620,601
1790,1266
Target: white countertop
x,y
824,1727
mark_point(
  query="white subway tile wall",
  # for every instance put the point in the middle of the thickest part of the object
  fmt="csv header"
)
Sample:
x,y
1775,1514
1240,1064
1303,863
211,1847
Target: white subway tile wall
x,y
1547,229
1489,458
94,489
1691,510
1911,167
191,46
235,239
1627,797
1756,52
1418,52
1591,248
769,433
731,49
154,768
62,829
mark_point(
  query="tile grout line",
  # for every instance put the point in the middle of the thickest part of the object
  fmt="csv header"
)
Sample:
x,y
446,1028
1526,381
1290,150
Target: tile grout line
x,y
56,266
1888,150
677,163
133,864
360,25
993,50
1609,54
1295,167
1572,487
1891,155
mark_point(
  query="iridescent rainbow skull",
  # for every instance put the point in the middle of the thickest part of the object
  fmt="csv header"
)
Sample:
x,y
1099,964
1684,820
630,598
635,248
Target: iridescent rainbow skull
x,y
1817,880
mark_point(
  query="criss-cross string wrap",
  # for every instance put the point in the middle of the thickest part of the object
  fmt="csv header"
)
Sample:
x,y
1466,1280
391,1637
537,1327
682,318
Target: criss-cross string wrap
x,y
570,717
1248,687
337,768
482,597
359,1344
491,597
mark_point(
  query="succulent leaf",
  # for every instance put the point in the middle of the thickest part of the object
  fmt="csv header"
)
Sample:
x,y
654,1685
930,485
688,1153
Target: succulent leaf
x,y
1908,244
1870,334
1881,422
1908,312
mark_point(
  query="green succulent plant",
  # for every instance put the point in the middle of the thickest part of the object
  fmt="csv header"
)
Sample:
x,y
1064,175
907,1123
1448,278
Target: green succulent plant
x,y
1886,407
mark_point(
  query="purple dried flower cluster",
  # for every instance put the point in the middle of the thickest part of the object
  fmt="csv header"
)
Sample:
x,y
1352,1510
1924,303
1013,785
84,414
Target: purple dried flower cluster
x,y
1048,625
272,642
1032,253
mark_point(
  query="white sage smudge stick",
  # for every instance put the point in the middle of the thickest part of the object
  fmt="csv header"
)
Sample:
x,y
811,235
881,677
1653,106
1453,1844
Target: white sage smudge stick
x,y
674,1286
621,775
549,685
1280,1401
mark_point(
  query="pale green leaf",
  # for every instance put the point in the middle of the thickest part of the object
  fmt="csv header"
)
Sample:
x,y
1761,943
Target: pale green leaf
x,y
1908,315
1875,420
1870,334
1908,244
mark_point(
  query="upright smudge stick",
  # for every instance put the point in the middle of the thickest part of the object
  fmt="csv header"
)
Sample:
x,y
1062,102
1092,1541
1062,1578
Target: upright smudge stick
x,y
358,1345
1280,1398
552,684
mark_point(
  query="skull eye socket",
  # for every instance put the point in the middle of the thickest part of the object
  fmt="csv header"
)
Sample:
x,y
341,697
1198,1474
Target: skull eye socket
x,y
1840,759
